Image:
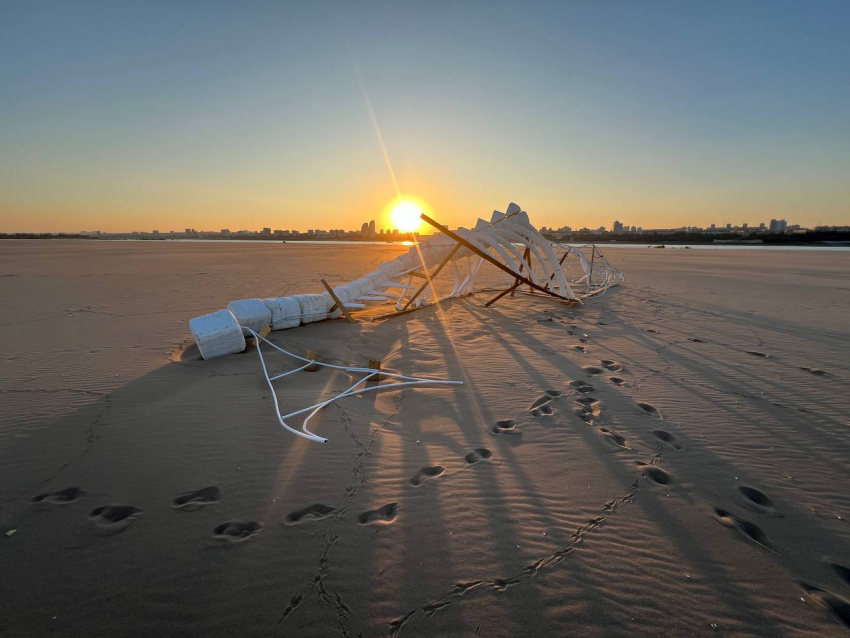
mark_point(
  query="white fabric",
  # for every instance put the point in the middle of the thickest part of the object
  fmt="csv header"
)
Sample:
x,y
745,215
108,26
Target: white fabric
x,y
286,312
217,334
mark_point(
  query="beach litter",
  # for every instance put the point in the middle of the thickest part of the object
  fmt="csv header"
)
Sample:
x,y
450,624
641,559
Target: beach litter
x,y
508,241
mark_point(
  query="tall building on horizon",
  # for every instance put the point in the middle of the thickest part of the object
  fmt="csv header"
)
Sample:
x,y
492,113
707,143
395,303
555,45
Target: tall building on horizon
x,y
372,228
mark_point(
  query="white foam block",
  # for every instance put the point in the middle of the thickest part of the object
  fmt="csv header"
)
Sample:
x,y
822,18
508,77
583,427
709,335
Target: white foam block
x,y
286,312
217,334
313,307
251,313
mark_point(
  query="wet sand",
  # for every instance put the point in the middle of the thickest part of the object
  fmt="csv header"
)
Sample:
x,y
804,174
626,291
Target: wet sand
x,y
672,458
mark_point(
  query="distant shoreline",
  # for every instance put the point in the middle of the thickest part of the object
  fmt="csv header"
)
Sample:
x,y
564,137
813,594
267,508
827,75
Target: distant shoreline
x,y
827,239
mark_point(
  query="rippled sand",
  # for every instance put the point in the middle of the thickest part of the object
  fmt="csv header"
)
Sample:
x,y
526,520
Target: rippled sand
x,y
670,459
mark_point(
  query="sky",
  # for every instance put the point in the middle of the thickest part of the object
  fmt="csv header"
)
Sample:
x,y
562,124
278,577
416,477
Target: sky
x,y
121,116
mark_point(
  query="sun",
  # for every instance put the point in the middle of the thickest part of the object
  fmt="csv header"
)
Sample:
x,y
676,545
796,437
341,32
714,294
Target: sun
x,y
405,216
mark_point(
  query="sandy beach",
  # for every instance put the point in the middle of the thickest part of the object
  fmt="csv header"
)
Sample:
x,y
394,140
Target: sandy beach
x,y
669,459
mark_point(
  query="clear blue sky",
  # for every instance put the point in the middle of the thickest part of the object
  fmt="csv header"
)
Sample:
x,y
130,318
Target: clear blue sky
x,y
140,115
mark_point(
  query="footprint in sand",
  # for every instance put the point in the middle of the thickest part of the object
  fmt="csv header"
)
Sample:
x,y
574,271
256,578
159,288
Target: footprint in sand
x,y
582,387
757,354
695,340
615,438
425,474
191,501
546,410
648,409
837,606
617,381
758,501
667,438
541,406
580,348
655,473
315,512
112,519
588,408
505,425
655,332
540,402
613,366
236,531
381,516
748,530
815,371
842,571
477,455
592,370
63,497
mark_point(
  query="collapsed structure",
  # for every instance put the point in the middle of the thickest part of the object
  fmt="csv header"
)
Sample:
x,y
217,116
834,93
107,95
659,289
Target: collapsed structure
x,y
508,241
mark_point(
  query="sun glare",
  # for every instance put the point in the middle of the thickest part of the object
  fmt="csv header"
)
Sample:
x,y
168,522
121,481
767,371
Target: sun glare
x,y
405,216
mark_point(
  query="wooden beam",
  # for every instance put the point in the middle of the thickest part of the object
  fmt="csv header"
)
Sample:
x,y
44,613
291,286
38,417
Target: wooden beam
x,y
525,257
338,303
560,263
431,277
511,290
488,257
394,314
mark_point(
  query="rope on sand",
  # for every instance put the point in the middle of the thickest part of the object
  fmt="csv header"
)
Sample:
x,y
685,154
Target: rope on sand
x,y
357,388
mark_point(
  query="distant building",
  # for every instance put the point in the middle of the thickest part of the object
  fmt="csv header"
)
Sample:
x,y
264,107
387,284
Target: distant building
x,y
777,225
267,231
372,228
364,229
617,227
225,231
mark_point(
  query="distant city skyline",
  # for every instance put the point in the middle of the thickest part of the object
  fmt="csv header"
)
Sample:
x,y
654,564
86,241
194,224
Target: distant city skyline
x,y
123,116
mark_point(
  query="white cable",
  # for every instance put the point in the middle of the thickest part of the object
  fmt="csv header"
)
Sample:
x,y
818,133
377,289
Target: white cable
x,y
313,409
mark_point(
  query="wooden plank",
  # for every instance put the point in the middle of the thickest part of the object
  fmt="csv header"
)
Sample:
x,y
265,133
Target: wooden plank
x,y
560,263
394,314
338,303
431,277
489,258
525,257
511,290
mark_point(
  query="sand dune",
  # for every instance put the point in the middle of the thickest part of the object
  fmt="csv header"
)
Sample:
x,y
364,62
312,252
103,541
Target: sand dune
x,y
671,458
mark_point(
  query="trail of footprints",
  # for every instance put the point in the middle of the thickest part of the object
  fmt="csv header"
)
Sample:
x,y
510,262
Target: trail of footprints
x,y
588,409
112,519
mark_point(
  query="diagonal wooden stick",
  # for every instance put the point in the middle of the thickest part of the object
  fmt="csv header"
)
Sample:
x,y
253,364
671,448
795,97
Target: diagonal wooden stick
x,y
487,257
339,305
